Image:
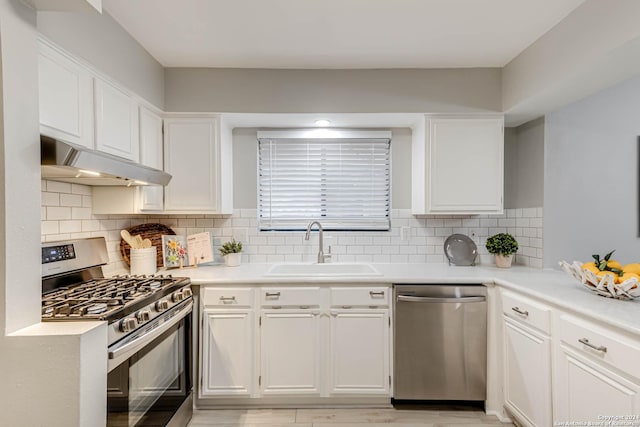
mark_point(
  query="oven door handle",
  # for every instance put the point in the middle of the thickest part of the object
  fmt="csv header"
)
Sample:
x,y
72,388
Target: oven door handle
x,y
122,353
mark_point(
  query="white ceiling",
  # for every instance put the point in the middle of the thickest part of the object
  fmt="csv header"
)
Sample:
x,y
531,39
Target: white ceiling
x,y
337,33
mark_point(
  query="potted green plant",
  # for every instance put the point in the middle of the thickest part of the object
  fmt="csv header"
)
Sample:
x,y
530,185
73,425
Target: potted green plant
x,y
232,253
503,246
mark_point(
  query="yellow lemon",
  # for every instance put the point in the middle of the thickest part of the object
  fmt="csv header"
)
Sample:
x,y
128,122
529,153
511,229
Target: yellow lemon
x,y
601,274
591,266
626,276
612,263
632,268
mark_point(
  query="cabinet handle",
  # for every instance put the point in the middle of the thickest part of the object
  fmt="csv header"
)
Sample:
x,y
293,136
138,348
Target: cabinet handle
x,y
272,294
376,293
520,312
346,306
227,299
588,344
304,307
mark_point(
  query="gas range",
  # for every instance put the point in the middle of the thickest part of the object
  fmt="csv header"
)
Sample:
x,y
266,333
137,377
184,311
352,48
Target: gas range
x,y
149,321
75,289
126,302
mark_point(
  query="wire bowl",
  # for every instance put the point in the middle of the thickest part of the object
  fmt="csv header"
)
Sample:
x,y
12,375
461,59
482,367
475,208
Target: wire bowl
x,y
604,286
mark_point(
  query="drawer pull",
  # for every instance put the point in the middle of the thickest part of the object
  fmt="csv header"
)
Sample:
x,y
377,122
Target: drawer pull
x,y
520,312
346,306
272,294
304,307
376,293
227,300
588,344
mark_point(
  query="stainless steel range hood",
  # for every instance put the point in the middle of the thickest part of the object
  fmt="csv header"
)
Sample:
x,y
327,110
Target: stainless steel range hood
x,y
63,161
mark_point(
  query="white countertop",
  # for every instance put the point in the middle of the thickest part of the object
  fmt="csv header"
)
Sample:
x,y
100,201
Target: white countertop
x,y
552,286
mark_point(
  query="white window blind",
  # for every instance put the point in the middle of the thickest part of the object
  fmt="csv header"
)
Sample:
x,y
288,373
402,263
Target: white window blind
x,y
343,183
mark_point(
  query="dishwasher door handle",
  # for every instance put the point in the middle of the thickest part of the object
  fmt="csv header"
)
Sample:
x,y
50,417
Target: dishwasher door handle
x,y
407,298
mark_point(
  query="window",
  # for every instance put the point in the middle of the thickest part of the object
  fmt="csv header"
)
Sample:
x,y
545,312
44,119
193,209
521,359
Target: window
x,y
343,183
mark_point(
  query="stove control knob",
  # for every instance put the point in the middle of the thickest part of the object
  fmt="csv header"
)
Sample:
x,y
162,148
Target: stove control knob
x,y
177,296
128,324
187,292
143,315
162,305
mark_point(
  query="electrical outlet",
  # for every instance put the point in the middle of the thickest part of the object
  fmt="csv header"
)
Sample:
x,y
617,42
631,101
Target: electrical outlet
x,y
405,233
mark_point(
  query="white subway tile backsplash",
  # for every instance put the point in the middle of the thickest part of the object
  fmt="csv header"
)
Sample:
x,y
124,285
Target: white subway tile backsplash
x,y
81,213
58,213
71,200
66,213
59,187
50,199
49,227
73,226
80,189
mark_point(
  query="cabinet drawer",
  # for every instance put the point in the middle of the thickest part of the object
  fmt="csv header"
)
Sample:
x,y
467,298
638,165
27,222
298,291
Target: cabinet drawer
x,y
616,349
279,297
227,297
527,311
341,297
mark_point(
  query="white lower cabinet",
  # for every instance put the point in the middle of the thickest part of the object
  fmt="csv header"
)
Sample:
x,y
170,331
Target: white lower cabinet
x,y
527,359
527,365
227,343
290,352
304,342
597,373
359,352
588,391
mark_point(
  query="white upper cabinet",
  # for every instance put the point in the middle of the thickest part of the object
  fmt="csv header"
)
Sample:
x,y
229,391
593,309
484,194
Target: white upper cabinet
x,y
458,165
116,122
198,156
151,148
66,97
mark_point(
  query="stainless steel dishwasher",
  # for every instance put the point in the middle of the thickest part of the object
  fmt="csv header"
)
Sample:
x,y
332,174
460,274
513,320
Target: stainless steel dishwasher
x,y
440,348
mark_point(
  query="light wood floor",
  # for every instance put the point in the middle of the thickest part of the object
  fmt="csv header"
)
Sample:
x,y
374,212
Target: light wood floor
x,y
406,417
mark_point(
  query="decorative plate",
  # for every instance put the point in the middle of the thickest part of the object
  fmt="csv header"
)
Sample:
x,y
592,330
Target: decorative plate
x,y
604,286
460,250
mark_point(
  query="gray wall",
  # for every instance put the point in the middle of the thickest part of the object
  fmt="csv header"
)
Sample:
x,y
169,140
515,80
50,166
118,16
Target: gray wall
x,y
524,165
591,176
332,91
245,168
102,42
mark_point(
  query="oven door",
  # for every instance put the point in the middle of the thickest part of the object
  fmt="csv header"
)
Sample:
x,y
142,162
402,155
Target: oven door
x,y
152,386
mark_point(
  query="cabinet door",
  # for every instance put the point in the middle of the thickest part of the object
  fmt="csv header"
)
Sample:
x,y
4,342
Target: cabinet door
x,y
226,362
191,147
360,352
290,352
465,158
116,121
588,390
151,147
65,97
527,369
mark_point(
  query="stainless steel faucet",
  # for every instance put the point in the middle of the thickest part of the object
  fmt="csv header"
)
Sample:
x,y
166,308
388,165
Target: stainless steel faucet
x,y
321,255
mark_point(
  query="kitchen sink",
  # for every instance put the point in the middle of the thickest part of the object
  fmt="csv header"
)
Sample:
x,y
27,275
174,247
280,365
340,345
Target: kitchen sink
x,y
324,270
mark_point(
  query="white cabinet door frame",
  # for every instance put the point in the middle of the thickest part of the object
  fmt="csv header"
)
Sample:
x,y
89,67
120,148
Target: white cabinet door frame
x,y
192,157
151,198
65,96
291,352
359,352
116,115
587,389
227,359
458,165
527,373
